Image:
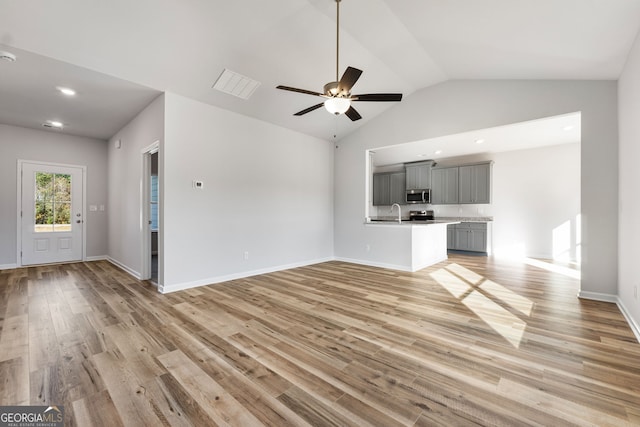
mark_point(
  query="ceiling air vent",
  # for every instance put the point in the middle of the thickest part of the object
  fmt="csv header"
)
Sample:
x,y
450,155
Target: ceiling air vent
x,y
236,84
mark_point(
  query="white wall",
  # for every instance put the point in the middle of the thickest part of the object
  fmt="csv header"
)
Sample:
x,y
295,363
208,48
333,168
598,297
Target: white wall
x,y
125,178
629,178
28,144
268,191
460,106
536,202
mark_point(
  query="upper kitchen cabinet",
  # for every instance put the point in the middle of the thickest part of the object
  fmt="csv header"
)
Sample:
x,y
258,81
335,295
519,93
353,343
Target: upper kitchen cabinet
x,y
418,175
474,183
444,186
388,188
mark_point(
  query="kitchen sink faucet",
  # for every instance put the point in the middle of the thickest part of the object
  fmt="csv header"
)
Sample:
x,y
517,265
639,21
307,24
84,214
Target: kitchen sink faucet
x,y
399,212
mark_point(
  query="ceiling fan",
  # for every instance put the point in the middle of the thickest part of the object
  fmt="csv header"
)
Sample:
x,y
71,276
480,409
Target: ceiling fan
x,y
338,93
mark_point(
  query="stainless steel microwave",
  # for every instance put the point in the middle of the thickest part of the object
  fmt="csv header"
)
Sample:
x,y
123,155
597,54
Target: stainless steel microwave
x,y
419,196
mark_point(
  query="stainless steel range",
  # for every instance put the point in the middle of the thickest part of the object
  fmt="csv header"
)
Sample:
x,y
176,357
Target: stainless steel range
x,y
421,215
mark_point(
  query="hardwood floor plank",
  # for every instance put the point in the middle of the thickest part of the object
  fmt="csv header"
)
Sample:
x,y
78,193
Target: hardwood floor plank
x,y
14,341
14,378
219,405
469,341
127,391
97,410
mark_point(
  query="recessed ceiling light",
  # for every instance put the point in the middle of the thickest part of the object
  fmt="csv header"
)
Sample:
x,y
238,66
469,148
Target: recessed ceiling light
x,y
422,155
438,151
7,56
53,124
567,128
66,91
479,141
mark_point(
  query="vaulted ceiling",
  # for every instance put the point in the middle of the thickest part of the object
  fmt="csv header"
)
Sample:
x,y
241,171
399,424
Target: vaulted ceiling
x,y
119,54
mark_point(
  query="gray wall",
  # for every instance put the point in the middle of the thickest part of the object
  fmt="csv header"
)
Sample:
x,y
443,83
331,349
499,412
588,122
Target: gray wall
x,y
460,106
629,96
268,192
28,144
125,184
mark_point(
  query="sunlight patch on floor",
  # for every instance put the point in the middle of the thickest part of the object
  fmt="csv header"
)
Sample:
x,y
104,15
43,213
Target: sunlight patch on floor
x,y
486,299
465,273
522,304
500,320
456,286
554,268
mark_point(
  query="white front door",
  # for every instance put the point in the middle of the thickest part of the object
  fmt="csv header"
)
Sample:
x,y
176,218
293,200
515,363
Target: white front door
x,y
52,213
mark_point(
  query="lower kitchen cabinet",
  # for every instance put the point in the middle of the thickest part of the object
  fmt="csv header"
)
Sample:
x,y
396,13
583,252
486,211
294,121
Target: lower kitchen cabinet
x,y
468,236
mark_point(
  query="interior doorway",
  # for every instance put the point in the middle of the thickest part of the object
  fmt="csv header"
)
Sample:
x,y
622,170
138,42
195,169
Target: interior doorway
x,y
153,220
150,214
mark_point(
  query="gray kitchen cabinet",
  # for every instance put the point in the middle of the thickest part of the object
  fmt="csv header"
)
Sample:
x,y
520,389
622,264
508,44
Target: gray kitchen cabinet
x,y
388,188
474,183
381,189
398,188
468,236
451,236
418,175
444,186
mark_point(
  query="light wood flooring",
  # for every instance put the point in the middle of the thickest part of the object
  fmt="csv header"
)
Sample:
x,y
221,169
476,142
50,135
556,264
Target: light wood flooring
x,y
470,341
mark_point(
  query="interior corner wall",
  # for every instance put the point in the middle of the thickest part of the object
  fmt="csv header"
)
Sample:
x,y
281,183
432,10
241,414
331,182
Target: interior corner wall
x,y
39,145
629,180
125,184
266,202
464,105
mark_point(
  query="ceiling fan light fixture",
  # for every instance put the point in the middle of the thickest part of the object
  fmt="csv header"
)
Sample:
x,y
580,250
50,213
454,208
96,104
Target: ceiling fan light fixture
x,y
337,106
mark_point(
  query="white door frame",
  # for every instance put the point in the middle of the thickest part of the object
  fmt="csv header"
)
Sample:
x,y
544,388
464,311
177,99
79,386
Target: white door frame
x,y
21,162
145,211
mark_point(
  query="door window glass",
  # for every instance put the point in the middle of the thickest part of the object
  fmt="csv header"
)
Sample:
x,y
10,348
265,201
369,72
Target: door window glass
x,y
52,202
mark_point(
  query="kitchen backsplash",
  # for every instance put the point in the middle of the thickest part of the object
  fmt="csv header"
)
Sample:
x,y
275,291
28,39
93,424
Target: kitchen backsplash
x,y
438,210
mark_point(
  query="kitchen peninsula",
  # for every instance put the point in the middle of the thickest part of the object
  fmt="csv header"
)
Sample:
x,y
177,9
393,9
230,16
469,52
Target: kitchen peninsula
x,y
406,245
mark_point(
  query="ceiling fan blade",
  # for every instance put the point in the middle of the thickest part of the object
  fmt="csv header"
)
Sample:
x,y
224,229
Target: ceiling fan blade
x,y
349,78
353,114
293,89
378,97
308,110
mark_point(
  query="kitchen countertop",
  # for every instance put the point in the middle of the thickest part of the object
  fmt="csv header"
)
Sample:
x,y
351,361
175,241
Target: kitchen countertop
x,y
389,219
406,221
466,218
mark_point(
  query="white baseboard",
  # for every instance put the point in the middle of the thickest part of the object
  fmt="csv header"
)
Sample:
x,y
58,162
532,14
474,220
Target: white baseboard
x,y
8,266
124,267
97,258
635,328
596,296
375,264
234,276
428,264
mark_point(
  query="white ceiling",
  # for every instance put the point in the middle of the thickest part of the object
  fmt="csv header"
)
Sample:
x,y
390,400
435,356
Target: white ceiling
x,y
121,53
564,129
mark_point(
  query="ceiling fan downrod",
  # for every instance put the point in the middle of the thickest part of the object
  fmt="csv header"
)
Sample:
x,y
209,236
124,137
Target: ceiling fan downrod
x,y
337,39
